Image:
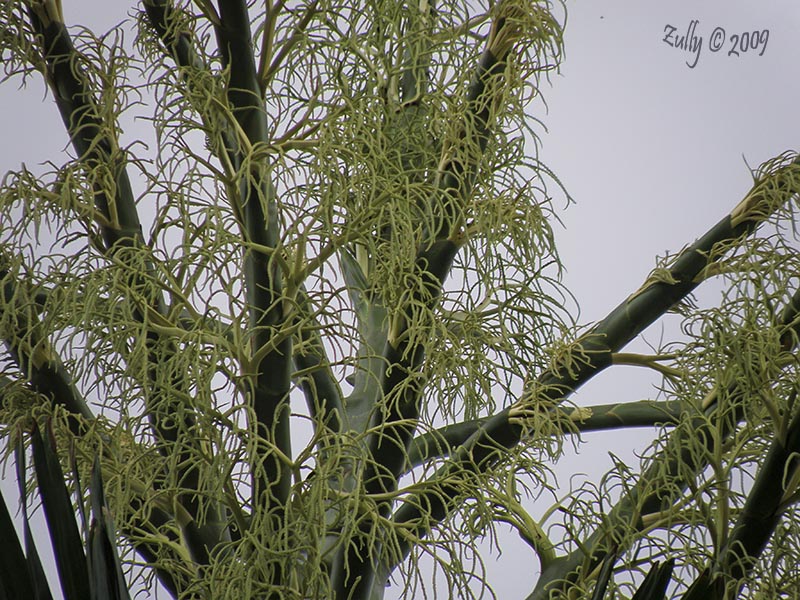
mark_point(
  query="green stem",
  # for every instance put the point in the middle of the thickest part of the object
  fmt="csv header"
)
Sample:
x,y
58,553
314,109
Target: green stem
x,y
585,419
321,390
593,351
97,148
394,427
755,524
679,463
36,360
268,310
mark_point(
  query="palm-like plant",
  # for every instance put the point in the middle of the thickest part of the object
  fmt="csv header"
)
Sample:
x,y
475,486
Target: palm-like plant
x,y
341,207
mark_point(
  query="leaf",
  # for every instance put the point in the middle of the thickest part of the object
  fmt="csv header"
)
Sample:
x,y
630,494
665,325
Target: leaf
x,y
13,563
605,576
36,576
654,586
60,516
105,570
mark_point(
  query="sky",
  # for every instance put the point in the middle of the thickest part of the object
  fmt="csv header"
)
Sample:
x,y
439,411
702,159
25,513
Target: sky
x,y
653,152
651,141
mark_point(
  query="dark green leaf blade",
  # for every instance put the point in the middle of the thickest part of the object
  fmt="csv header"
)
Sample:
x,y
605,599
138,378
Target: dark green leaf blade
x,y
107,579
14,581
35,571
654,586
60,516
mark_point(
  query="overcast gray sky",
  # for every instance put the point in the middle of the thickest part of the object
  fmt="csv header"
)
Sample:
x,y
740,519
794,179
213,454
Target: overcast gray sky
x,y
654,153
652,150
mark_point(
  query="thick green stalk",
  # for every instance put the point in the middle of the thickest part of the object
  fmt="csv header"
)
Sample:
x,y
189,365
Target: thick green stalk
x,y
645,413
270,376
371,319
434,260
166,19
417,54
679,462
394,427
401,391
97,148
755,524
593,351
320,388
35,358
